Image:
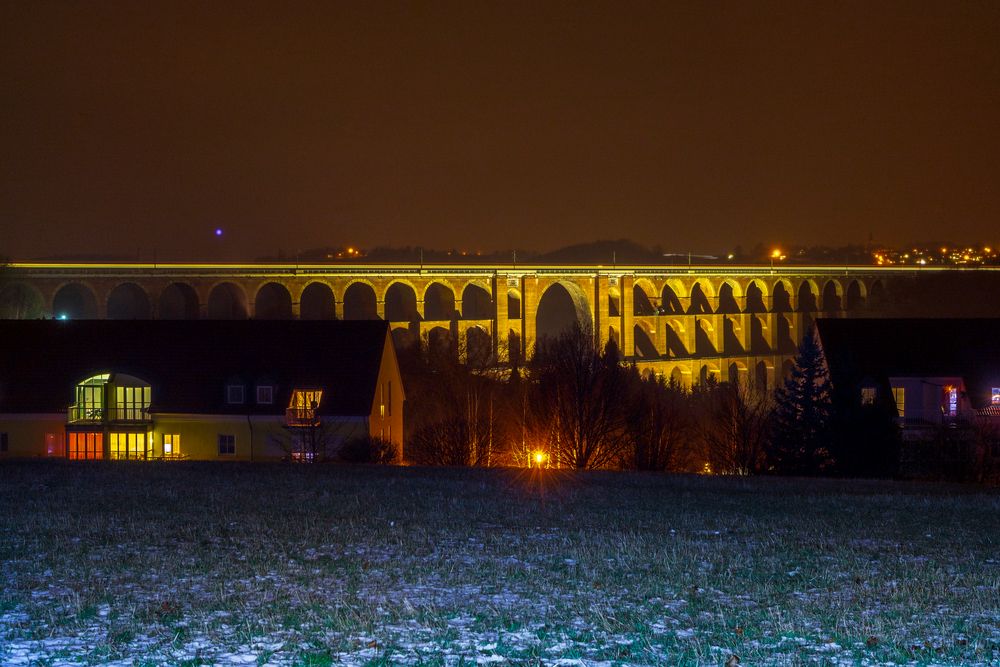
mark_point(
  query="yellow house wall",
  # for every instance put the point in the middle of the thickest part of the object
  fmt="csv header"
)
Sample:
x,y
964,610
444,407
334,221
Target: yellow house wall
x,y
28,435
261,438
386,418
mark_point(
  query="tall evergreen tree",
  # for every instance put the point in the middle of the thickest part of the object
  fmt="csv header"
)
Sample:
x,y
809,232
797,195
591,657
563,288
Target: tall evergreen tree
x,y
800,443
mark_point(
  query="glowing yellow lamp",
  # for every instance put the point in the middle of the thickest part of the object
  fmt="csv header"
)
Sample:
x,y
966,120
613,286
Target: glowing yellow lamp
x,y
539,458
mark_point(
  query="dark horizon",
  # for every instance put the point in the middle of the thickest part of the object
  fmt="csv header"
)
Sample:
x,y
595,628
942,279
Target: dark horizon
x,y
134,129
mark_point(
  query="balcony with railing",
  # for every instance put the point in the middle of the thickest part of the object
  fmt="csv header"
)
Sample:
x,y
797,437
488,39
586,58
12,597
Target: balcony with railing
x,y
301,417
87,414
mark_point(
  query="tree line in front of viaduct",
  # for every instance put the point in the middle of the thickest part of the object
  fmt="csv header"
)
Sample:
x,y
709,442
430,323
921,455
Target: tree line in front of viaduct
x,y
688,323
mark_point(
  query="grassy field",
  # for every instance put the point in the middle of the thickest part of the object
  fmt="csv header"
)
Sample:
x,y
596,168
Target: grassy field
x,y
184,563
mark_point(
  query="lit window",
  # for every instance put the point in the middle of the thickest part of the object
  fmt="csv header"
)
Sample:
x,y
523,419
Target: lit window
x,y
899,394
3,442
234,394
995,396
128,445
390,398
86,446
90,399
868,395
951,395
131,403
265,394
171,444
227,444
302,406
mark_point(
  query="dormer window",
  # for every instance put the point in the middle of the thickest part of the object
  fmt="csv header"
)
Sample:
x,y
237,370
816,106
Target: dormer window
x,y
265,394
234,394
302,407
868,395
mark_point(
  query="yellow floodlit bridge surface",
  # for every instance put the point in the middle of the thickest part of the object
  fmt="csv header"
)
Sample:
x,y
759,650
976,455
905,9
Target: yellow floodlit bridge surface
x,y
684,321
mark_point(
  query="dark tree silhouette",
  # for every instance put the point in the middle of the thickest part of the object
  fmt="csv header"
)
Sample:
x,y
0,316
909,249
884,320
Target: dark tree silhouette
x,y
659,426
578,400
800,441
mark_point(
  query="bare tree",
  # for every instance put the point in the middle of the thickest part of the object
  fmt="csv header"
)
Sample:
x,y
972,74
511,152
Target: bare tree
x,y
455,408
735,422
578,395
312,441
659,426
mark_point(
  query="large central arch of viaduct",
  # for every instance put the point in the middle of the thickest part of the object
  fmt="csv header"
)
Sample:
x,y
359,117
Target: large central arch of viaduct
x,y
685,322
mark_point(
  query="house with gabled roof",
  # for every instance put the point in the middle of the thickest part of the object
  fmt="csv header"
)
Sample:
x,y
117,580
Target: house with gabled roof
x,y
208,390
928,372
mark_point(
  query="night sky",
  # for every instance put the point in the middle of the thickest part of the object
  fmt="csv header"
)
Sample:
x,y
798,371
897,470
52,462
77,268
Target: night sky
x,y
134,127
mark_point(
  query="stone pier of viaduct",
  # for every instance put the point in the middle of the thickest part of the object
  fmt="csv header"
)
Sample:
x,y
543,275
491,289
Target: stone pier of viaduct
x,y
685,322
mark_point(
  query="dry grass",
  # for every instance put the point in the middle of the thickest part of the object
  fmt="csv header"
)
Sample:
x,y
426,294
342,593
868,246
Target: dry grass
x,y
185,563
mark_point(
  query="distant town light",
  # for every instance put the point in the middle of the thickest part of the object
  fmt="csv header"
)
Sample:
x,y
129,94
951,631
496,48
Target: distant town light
x,y
775,254
63,316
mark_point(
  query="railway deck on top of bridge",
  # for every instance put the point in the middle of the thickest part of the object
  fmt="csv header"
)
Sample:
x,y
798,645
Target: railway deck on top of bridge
x,y
699,319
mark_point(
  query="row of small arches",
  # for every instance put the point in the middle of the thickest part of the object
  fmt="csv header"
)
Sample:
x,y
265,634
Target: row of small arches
x,y
673,299
273,300
757,376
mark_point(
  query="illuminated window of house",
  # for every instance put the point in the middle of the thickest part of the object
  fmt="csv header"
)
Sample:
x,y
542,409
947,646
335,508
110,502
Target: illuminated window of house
x,y
85,445
131,403
227,444
303,404
234,394
390,398
265,394
171,444
90,399
951,400
868,395
381,401
128,445
995,396
899,394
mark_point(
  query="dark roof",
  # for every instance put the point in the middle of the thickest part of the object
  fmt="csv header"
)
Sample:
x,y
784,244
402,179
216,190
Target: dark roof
x,y
189,363
859,349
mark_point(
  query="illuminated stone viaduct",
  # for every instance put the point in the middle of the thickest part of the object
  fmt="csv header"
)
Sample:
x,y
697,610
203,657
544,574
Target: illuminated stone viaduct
x,y
684,322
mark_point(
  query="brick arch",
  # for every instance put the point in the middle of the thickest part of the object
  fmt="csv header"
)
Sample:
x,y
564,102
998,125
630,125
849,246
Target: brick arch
x,y
236,308
477,305
130,301
730,296
317,301
272,301
644,297
737,372
178,300
674,296
679,374
559,309
85,307
355,302
789,290
856,295
439,301
21,301
802,305
832,296
756,296
478,345
405,310
701,297
644,341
